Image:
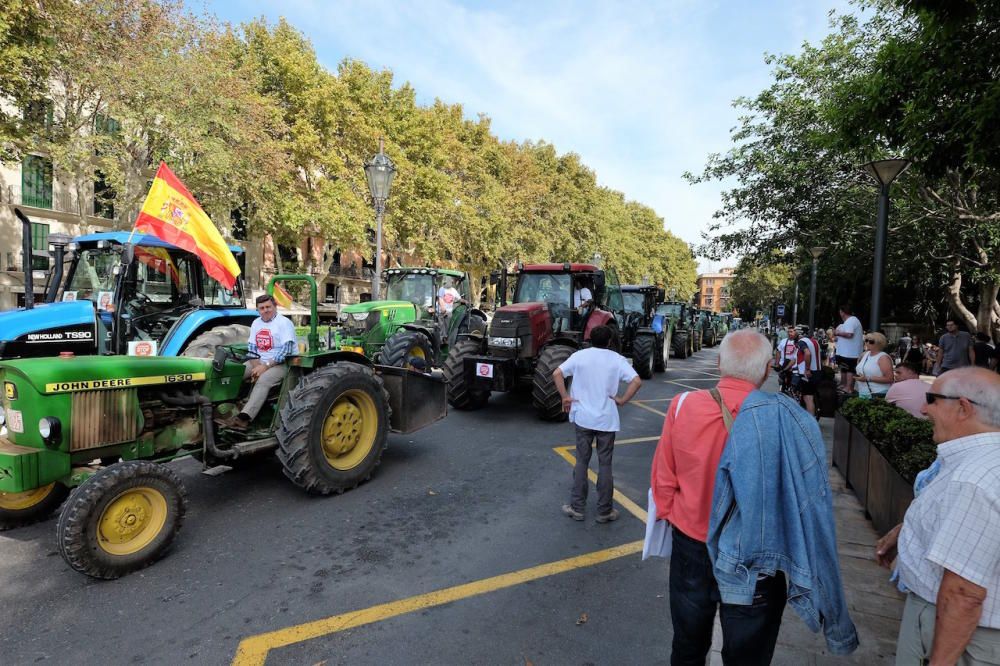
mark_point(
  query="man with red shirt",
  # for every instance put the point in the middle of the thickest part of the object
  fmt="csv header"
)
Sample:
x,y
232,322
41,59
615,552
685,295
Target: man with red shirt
x,y
683,480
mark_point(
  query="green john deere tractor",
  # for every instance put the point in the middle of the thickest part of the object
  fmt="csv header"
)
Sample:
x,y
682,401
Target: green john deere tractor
x,y
409,329
683,340
99,429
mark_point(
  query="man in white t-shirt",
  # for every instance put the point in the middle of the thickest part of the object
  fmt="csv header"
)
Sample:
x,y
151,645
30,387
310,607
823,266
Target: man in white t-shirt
x,y
582,297
850,340
592,402
272,338
448,296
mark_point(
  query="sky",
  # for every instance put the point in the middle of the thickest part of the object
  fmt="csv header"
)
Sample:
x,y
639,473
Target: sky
x,y
642,91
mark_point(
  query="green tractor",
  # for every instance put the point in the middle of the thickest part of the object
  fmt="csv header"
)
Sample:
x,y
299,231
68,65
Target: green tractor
x,y
710,328
642,339
100,430
683,341
410,329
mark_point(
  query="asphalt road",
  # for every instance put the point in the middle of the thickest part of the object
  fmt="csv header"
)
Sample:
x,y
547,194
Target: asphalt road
x,y
456,552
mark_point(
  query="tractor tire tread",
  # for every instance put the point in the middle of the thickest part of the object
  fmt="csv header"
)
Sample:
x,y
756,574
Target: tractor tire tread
x,y
643,361
544,394
204,345
395,348
460,396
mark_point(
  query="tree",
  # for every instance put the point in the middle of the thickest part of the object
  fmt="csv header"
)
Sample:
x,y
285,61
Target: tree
x,y
757,285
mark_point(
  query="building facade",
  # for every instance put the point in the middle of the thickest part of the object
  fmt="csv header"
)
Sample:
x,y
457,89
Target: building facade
x,y
713,290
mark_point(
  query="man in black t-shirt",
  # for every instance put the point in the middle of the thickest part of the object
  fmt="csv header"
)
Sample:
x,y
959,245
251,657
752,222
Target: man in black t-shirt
x,y
984,350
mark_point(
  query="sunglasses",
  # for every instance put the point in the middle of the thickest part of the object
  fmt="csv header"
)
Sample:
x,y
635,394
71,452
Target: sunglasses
x,y
932,397
869,341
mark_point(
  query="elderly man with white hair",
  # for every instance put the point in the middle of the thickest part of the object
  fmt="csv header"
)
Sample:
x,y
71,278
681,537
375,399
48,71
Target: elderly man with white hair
x,y
949,542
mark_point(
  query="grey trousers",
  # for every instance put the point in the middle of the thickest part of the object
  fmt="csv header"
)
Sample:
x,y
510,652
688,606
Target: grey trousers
x,y
916,637
270,378
605,482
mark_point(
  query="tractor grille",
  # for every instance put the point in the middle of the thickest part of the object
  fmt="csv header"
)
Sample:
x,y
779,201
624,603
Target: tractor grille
x,y
103,417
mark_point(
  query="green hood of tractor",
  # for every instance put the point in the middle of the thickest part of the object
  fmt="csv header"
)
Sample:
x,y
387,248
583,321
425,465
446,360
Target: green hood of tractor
x,y
84,373
370,306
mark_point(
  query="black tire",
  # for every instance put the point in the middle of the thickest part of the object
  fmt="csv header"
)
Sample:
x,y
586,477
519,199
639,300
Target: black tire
x,y
643,361
31,506
680,345
711,340
661,353
124,494
544,395
203,346
460,394
334,428
404,346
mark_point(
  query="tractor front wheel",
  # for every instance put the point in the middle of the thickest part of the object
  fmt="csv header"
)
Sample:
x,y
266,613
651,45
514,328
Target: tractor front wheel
x,y
544,394
121,519
661,352
460,394
203,346
681,345
334,428
642,355
409,349
30,506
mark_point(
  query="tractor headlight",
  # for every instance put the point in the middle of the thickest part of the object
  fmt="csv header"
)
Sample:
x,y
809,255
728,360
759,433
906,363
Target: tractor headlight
x,y
49,428
360,316
503,342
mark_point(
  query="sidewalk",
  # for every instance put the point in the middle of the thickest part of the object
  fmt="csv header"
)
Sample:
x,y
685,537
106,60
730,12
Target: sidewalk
x,y
874,603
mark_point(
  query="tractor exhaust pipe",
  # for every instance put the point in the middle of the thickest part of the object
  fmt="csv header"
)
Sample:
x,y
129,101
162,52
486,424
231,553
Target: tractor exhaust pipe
x,y
29,279
59,243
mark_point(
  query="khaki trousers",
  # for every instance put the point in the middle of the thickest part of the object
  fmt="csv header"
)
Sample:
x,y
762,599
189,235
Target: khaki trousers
x,y
271,377
916,637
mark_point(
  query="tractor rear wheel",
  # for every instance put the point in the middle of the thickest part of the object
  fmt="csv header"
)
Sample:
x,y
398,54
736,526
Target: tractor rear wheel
x,y
203,346
544,394
31,506
710,342
121,519
681,345
661,352
333,428
642,355
409,349
460,394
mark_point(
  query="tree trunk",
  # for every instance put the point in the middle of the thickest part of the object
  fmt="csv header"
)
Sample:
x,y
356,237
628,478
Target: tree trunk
x,y
986,316
954,292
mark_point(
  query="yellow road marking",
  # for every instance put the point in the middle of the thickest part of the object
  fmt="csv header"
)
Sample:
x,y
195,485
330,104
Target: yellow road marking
x,y
647,408
253,650
634,440
627,504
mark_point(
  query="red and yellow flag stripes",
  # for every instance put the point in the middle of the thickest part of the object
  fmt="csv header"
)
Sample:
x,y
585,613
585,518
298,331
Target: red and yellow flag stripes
x,y
283,298
170,213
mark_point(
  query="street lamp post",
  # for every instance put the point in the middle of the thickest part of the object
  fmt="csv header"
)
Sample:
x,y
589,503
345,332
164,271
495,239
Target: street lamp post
x,y
379,171
884,172
795,300
815,252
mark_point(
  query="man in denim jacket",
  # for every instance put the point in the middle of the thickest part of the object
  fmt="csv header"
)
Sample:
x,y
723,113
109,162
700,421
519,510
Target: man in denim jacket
x,y
772,514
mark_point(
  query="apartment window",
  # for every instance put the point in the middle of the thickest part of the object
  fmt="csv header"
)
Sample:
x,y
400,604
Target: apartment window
x,y
39,243
106,124
36,181
104,196
38,116
332,293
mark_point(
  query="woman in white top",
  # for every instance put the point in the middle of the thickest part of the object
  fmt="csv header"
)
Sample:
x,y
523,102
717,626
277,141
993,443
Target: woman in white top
x,y
874,376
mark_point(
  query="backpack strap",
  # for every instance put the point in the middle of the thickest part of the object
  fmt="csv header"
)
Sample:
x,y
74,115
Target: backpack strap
x,y
727,416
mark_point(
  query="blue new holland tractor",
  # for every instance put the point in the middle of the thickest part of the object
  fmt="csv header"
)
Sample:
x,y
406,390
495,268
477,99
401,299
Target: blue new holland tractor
x,y
112,293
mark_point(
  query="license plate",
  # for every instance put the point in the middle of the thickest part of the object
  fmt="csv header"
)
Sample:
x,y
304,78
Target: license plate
x,y
484,370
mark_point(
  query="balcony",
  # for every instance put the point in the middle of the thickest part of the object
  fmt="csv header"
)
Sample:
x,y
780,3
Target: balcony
x,y
336,270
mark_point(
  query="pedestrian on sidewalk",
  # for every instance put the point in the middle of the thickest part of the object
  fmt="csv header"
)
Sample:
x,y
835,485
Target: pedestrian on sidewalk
x,y
948,545
592,403
849,338
807,368
957,348
874,368
908,391
682,480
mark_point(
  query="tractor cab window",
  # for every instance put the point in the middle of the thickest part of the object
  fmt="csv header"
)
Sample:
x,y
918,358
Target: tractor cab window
x,y
92,276
635,301
417,288
669,309
544,288
217,295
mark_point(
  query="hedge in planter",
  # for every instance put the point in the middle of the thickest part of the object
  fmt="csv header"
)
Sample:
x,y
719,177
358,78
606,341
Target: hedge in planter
x,y
903,439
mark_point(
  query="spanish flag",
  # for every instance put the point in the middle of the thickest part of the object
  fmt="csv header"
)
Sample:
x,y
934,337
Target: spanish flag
x,y
283,298
171,214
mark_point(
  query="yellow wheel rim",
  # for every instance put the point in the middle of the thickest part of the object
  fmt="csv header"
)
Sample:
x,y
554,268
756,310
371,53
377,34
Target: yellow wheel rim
x,y
131,521
25,500
349,430
415,352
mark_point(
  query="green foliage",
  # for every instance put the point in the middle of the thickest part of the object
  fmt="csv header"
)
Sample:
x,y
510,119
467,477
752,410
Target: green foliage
x,y
757,284
903,439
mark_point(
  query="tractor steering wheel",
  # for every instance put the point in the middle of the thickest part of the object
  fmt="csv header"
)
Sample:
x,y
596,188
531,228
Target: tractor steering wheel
x,y
241,356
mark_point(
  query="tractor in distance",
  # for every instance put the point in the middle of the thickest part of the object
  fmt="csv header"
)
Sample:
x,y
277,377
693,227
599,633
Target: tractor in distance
x,y
410,328
723,323
682,340
124,294
711,327
643,334
531,336
106,427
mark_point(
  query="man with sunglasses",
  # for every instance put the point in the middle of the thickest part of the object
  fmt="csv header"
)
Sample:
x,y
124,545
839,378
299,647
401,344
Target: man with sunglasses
x,y
949,542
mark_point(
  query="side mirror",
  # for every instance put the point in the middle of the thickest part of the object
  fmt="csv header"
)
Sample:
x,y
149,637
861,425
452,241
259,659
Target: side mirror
x,y
128,254
660,295
599,281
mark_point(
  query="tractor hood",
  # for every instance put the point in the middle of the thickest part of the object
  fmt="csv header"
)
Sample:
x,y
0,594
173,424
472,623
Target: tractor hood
x,y
44,317
87,373
527,308
370,306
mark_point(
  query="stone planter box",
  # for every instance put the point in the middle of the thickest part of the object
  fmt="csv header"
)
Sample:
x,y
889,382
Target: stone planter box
x,y
889,495
841,443
857,465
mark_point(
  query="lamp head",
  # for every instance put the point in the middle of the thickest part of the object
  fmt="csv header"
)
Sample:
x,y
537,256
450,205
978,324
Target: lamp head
x,y
380,171
816,251
886,171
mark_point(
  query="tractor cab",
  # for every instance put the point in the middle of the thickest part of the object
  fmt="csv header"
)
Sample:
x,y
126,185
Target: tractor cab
x,y
123,294
643,338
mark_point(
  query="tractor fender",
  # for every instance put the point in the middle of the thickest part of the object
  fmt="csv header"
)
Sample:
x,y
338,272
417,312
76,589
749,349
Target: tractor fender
x,y
597,318
431,332
198,321
646,330
340,357
565,342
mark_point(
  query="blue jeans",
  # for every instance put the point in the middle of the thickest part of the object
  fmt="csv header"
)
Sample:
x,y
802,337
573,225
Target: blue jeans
x,y
748,632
